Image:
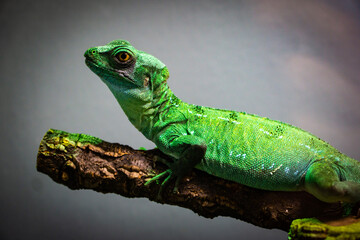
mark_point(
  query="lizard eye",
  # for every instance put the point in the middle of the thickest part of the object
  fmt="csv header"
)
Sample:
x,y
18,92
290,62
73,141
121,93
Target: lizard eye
x,y
123,56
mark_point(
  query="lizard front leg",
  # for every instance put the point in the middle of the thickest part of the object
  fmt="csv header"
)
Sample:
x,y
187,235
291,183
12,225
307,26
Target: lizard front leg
x,y
186,152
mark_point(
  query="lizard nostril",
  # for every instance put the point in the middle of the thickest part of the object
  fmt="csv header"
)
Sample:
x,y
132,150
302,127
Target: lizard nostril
x,y
90,52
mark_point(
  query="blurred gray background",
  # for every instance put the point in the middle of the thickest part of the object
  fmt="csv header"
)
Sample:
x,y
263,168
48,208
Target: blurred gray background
x,y
294,61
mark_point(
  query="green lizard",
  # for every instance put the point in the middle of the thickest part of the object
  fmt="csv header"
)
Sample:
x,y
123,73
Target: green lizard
x,y
248,149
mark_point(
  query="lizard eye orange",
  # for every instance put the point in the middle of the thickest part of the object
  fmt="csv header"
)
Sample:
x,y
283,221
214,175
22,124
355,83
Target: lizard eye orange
x,y
123,56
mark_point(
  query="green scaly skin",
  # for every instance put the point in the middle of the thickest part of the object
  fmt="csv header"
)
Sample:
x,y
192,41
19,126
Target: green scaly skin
x,y
244,148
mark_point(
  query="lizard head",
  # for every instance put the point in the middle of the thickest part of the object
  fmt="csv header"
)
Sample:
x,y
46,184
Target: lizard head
x,y
126,70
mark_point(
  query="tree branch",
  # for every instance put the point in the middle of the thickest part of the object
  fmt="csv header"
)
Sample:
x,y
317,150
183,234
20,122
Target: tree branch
x,y
80,161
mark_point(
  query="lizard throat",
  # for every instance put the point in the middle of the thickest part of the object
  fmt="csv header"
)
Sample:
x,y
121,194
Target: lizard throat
x,y
146,113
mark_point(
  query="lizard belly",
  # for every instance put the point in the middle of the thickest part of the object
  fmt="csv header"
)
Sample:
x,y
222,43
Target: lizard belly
x,y
263,173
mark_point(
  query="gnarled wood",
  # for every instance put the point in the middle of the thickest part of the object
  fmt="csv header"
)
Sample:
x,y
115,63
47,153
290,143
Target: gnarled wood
x,y
84,162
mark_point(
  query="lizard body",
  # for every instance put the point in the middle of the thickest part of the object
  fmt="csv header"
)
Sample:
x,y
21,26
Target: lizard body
x,y
244,148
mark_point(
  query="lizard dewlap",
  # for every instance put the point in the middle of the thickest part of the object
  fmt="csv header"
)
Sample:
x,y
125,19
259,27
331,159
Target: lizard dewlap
x,y
244,148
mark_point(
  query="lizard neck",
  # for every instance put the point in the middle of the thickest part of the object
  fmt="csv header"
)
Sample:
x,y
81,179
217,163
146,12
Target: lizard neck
x,y
144,112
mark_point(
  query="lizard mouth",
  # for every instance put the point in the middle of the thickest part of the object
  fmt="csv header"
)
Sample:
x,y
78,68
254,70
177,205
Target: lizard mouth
x,y
91,63
96,67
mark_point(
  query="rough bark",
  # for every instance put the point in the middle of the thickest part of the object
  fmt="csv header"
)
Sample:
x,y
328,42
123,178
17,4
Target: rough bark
x,y
80,161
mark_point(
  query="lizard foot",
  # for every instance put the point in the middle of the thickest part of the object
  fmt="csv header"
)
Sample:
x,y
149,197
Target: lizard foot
x,y
169,174
157,177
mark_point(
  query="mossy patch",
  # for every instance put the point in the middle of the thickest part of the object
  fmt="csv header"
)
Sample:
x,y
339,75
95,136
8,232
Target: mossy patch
x,y
311,228
72,139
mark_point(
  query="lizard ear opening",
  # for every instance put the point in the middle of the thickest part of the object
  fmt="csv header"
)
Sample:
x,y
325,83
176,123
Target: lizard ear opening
x,y
146,81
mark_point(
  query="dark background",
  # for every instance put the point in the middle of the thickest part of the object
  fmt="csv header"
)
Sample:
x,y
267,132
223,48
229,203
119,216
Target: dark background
x,y
294,61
